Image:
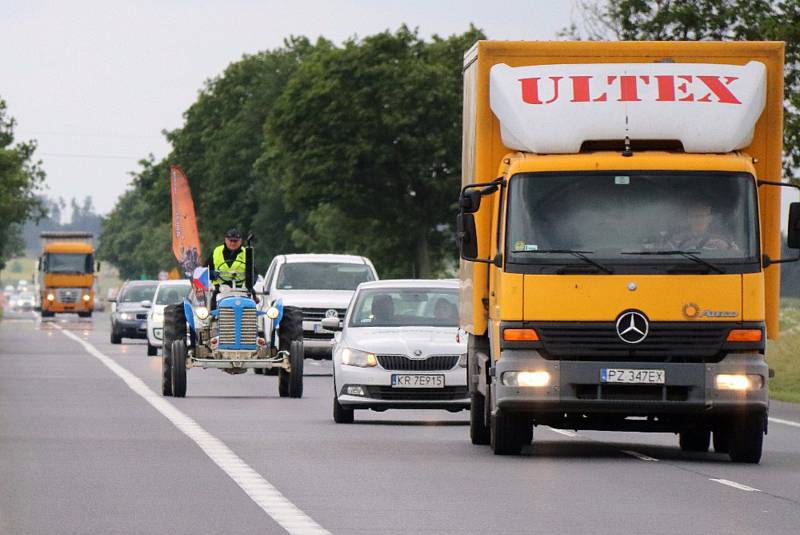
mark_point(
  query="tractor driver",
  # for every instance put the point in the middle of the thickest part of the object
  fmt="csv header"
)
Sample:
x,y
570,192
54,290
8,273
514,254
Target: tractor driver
x,y
227,265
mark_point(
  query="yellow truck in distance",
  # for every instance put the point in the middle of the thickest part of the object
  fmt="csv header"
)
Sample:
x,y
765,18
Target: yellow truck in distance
x,y
619,229
66,273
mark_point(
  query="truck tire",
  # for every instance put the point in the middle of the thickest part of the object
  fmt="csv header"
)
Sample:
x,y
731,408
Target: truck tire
x,y
508,433
166,372
478,430
747,439
84,314
178,358
721,439
291,327
152,351
341,414
47,314
115,338
695,440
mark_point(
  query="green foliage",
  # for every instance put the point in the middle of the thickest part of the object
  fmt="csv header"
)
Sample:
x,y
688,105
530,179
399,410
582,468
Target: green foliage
x,y
20,176
666,20
314,148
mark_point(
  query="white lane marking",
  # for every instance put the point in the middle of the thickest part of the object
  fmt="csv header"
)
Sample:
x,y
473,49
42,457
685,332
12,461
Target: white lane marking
x,y
261,491
564,432
734,484
640,456
784,422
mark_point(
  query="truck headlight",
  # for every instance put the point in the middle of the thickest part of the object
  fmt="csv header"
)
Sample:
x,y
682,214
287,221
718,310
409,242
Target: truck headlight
x,y
86,297
201,312
738,381
527,378
51,297
362,359
272,313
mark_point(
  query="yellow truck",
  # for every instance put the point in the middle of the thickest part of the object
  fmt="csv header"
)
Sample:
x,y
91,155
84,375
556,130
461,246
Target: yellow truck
x,y
619,230
66,273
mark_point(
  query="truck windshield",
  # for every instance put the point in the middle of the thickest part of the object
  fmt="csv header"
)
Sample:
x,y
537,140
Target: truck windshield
x,y
406,307
72,263
323,276
705,220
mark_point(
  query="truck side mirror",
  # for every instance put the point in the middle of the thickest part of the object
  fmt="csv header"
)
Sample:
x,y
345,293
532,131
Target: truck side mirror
x,y
467,235
97,267
793,233
470,201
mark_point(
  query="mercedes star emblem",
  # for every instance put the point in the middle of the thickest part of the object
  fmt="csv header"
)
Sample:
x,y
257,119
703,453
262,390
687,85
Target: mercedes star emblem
x,y
331,313
632,327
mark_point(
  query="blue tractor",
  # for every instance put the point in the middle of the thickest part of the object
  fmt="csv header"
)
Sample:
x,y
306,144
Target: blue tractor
x,y
234,336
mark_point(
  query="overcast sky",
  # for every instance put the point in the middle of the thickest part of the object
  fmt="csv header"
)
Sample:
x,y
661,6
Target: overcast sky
x,y
96,81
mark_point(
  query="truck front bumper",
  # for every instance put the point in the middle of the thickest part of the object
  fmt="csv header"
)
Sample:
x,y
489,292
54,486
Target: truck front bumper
x,y
576,387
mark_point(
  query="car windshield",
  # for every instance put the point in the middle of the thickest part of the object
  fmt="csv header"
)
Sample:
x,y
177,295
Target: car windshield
x,y
172,294
323,276
137,293
626,217
25,296
406,307
72,263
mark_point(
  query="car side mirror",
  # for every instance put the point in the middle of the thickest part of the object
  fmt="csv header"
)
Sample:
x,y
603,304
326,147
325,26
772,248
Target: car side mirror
x,y
112,299
793,232
331,324
146,304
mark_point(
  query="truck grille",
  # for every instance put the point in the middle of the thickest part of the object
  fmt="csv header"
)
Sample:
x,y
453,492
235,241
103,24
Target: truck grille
x,y
402,362
666,342
316,314
68,295
248,327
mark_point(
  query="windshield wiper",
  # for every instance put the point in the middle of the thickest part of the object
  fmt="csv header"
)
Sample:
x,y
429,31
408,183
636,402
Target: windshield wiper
x,y
576,254
691,255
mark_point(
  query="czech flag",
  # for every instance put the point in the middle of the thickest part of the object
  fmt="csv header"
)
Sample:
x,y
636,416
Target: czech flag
x,y
201,279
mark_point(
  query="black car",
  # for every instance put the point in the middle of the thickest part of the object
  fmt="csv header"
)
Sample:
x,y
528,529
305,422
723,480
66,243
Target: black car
x,y
129,317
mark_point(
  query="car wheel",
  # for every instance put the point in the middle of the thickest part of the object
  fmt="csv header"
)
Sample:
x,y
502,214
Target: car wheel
x,y
342,415
695,440
747,439
478,430
115,337
152,351
178,368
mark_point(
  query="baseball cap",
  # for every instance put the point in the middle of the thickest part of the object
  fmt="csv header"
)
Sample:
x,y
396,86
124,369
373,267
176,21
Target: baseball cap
x,y
233,234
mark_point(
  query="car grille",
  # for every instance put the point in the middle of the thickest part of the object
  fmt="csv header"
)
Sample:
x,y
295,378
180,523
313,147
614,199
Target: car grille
x,y
248,327
141,316
68,295
448,393
665,342
317,314
402,362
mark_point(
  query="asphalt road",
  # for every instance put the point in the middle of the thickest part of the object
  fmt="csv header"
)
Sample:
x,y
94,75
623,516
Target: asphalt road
x,y
88,446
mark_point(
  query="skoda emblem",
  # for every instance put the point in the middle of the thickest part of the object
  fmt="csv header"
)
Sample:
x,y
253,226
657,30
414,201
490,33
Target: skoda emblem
x,y
417,352
331,313
632,327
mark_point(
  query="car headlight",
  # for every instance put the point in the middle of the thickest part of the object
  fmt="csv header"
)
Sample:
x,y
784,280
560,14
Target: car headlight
x,y
355,357
201,312
125,316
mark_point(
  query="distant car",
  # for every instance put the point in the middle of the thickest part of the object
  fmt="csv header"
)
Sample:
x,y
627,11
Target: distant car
x,y
99,306
24,301
319,284
129,318
169,292
399,349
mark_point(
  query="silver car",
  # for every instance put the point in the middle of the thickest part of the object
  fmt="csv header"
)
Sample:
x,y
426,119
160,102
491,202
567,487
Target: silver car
x,y
399,349
169,292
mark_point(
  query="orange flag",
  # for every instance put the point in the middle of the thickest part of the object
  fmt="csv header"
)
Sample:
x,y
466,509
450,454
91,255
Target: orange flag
x,y
185,241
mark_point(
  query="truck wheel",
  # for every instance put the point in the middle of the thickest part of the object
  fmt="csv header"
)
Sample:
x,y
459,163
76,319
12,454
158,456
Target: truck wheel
x,y
296,377
478,430
722,440
84,314
47,314
178,358
115,338
166,372
152,351
291,327
342,415
508,433
747,439
694,439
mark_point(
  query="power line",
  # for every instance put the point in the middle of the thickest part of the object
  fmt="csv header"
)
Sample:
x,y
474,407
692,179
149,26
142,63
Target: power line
x,y
90,156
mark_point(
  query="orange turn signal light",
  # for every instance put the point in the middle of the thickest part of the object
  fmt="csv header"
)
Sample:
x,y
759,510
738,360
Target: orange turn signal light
x,y
744,335
520,335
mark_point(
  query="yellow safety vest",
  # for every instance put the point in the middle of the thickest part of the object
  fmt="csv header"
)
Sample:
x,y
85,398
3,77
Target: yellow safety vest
x,y
228,273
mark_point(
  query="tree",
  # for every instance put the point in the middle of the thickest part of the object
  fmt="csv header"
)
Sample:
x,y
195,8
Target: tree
x,y
365,143
665,20
20,176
